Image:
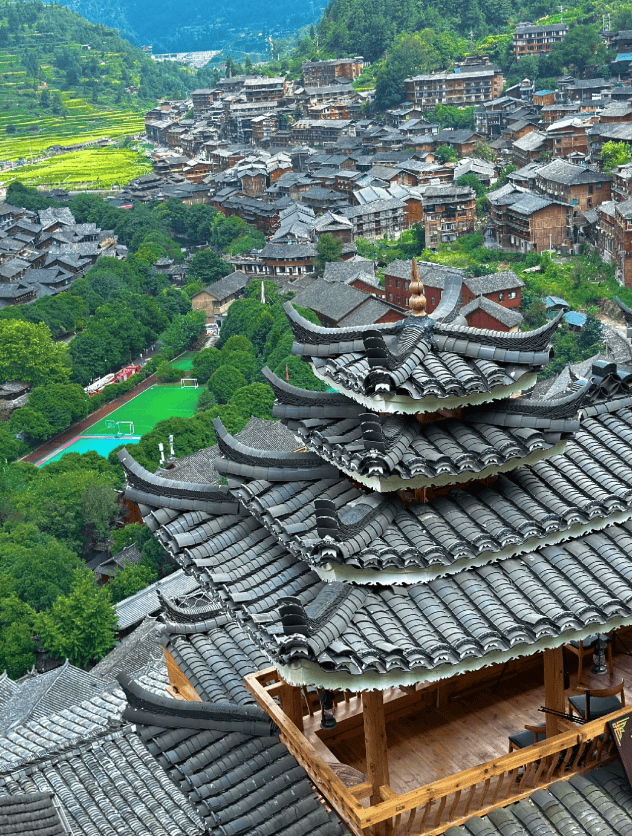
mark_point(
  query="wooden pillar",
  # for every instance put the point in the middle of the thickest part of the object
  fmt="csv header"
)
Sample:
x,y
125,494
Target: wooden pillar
x,y
376,751
554,696
291,701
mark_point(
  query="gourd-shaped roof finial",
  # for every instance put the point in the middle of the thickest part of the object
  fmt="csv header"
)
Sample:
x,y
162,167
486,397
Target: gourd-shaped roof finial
x,y
417,301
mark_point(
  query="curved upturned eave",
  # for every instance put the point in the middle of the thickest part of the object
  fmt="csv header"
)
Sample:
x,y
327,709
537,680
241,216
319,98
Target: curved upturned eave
x,y
311,674
397,483
405,405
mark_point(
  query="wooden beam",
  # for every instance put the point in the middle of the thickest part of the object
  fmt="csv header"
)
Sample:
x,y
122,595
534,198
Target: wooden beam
x,y
291,701
376,752
554,696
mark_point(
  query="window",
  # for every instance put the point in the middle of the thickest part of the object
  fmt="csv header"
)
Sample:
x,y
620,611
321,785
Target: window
x,y
501,296
432,300
390,297
512,294
397,283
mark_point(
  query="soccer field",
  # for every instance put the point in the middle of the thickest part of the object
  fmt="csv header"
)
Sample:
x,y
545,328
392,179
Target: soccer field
x,y
185,362
145,410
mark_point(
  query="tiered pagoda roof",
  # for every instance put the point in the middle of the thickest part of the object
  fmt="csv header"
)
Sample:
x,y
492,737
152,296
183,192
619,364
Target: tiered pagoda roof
x,y
438,520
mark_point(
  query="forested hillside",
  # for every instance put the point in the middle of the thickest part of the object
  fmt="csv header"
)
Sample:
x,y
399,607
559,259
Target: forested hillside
x,y
236,26
403,37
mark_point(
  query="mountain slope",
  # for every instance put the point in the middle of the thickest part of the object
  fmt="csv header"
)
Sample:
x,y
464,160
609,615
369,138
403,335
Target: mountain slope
x,y
66,81
236,26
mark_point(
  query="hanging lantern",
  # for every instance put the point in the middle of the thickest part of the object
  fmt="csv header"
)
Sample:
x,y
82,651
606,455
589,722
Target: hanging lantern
x,y
327,719
599,655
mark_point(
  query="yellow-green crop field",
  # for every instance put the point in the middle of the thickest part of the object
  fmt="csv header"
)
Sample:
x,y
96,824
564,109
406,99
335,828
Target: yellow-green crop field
x,y
97,168
83,123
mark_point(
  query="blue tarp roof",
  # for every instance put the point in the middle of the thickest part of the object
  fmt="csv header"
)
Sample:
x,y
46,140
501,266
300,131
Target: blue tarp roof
x,y
554,301
543,92
624,56
575,318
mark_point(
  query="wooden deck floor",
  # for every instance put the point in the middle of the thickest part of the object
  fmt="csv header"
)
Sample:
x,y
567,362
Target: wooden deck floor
x,y
428,742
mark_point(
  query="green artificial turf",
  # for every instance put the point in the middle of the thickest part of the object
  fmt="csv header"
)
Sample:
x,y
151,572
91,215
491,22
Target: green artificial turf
x,y
153,405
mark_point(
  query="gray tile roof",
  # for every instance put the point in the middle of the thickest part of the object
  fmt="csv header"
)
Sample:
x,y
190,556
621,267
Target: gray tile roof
x,y
288,251
560,171
333,300
420,359
597,802
30,814
228,286
40,696
347,272
109,785
507,316
200,466
370,311
491,572
140,649
431,274
134,609
391,452
493,282
232,765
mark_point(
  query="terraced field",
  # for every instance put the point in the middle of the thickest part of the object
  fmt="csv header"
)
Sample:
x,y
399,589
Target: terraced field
x,y
37,130
95,168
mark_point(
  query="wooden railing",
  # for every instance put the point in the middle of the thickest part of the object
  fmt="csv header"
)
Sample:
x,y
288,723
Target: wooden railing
x,y
430,810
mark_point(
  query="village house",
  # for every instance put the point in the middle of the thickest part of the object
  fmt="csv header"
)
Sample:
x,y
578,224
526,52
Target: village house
x,y
537,40
377,218
215,299
448,213
338,303
483,313
500,288
326,73
622,243
524,221
357,272
601,232
464,87
578,185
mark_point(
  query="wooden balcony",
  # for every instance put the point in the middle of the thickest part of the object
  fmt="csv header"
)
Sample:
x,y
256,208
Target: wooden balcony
x,y
447,745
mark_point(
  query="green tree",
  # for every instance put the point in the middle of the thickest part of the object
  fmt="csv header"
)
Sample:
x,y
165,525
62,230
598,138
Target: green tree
x,y
418,52
225,382
256,399
30,423
237,343
581,48
166,373
130,580
243,361
473,182
482,151
205,401
42,567
61,404
79,626
205,363
329,249
270,289
446,154
27,352
17,648
207,267
614,154
73,506
126,536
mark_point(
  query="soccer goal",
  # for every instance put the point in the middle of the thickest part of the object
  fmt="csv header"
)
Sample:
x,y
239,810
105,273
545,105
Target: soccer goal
x,y
120,427
188,383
